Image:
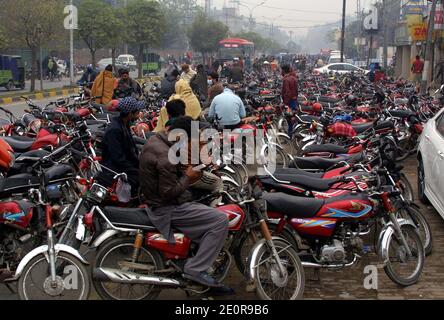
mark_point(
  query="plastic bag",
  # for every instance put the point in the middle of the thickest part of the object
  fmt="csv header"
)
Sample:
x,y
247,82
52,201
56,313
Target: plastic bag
x,y
123,191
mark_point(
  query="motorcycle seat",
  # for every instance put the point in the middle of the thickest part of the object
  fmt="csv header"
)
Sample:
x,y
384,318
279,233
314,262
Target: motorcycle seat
x,y
315,163
401,113
308,118
293,206
385,125
17,184
19,144
129,218
360,128
310,183
73,116
329,148
294,171
58,173
33,155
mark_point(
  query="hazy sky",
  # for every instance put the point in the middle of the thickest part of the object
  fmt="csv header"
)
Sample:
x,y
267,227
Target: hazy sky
x,y
296,15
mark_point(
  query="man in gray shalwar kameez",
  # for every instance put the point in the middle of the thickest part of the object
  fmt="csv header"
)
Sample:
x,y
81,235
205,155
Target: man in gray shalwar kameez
x,y
165,187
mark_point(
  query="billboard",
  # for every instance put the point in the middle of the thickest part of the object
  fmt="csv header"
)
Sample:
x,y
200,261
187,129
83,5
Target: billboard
x,y
413,7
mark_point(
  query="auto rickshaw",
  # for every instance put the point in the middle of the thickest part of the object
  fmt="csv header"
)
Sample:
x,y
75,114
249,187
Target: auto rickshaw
x,y
12,72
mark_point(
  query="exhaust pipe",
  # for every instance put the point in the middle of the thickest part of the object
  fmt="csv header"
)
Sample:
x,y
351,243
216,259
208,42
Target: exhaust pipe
x,y
327,266
126,277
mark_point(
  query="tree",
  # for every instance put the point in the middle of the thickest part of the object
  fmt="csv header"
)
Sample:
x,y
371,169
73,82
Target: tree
x,y
4,41
179,14
33,25
115,36
145,26
205,35
94,22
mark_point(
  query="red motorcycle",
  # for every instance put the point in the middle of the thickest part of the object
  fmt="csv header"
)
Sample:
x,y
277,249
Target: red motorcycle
x,y
327,233
145,260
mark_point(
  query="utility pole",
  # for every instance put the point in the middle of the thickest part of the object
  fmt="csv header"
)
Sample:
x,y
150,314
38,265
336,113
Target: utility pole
x,y
385,22
358,17
429,48
125,46
71,52
344,2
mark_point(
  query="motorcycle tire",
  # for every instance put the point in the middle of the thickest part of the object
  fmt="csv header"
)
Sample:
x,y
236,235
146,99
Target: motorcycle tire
x,y
295,267
410,233
72,260
423,226
421,183
244,248
406,188
128,242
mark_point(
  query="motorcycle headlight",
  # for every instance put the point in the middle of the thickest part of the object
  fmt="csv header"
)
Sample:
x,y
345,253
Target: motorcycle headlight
x,y
97,193
35,125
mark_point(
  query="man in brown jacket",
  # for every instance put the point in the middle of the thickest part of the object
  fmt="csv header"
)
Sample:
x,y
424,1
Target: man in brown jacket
x,y
165,186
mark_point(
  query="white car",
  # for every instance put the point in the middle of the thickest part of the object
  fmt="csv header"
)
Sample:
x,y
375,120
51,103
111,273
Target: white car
x,y
340,68
101,65
431,163
128,60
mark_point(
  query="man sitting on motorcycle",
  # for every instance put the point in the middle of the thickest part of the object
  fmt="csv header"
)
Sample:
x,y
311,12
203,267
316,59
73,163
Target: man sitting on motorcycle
x,y
228,109
127,87
165,186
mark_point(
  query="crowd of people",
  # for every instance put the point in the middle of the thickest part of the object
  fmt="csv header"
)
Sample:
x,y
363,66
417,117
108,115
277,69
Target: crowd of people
x,y
167,186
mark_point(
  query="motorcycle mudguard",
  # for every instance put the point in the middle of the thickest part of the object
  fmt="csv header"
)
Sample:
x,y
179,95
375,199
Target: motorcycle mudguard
x,y
43,250
229,169
309,137
280,134
227,179
385,236
295,236
281,123
250,267
310,143
108,234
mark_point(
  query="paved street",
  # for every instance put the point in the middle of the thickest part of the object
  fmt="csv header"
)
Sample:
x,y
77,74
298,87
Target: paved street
x,y
46,85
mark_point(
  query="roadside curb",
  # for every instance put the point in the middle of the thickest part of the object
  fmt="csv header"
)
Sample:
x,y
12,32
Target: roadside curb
x,y
61,92
39,96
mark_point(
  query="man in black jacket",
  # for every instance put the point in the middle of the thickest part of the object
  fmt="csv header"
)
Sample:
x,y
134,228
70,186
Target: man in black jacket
x,y
168,84
119,150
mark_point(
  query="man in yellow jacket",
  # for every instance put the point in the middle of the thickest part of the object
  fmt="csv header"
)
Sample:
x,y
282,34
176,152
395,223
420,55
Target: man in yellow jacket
x,y
185,93
104,86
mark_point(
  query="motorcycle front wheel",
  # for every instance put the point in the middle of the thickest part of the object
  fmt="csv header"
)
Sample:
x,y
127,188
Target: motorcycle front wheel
x,y
114,255
72,280
270,283
401,268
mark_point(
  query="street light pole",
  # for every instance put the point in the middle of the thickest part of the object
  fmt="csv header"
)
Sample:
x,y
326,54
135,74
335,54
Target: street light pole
x,y
251,11
71,52
39,35
125,46
343,29
385,22
429,48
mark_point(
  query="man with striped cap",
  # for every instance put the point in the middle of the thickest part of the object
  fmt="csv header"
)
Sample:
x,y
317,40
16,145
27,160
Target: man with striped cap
x,y
119,150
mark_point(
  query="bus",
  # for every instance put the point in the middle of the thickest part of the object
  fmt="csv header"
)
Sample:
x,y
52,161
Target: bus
x,y
235,48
